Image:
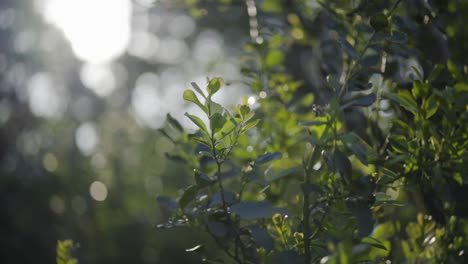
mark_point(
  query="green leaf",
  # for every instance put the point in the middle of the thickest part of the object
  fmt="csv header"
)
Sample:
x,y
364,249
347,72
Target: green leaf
x,y
430,106
405,100
244,110
261,237
373,242
453,69
267,157
341,164
190,96
276,41
273,58
420,89
281,168
174,123
255,210
189,195
358,146
198,89
379,22
217,121
435,72
167,203
217,229
214,85
197,121
202,179
361,100
349,49
287,257
397,37
250,125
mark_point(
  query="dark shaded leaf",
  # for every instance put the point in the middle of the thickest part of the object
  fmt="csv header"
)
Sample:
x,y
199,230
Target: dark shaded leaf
x,y
217,228
357,146
202,179
197,88
256,210
287,257
175,158
167,203
217,121
216,199
261,237
188,196
379,22
308,188
349,49
267,157
174,123
362,100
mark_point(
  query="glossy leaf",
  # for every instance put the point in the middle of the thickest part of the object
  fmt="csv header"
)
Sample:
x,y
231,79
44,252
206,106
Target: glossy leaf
x,y
197,121
214,85
190,96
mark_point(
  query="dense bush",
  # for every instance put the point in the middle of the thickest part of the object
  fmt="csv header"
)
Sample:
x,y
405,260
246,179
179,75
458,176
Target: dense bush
x,y
353,147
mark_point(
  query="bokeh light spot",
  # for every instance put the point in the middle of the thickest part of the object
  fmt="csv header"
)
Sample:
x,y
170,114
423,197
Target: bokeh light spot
x,y
86,138
98,191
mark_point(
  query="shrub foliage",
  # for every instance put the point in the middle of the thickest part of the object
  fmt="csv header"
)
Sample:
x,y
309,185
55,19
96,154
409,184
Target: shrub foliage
x,y
356,155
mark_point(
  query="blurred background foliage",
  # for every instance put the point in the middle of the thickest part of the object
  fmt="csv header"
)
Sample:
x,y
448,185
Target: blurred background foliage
x,y
84,86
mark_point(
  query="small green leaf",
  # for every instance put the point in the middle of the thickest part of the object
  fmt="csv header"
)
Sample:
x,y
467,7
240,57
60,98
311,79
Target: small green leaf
x,y
453,69
435,72
349,49
190,96
244,110
198,89
255,210
379,22
373,242
276,41
361,100
174,123
405,100
250,125
197,121
430,106
202,179
341,164
397,37
420,89
358,146
214,85
217,121
188,196
281,168
273,58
